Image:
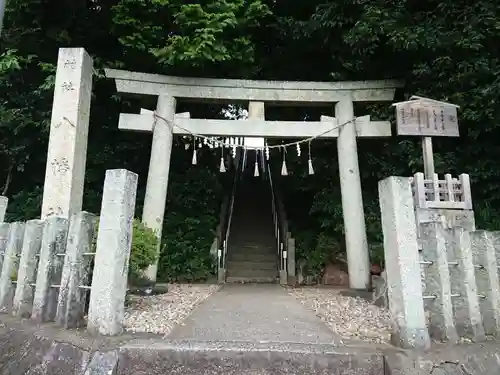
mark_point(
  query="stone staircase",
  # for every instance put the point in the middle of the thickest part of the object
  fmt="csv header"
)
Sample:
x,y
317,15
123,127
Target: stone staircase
x,y
252,253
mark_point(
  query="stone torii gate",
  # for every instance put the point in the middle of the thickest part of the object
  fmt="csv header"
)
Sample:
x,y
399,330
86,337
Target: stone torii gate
x,y
66,156
168,89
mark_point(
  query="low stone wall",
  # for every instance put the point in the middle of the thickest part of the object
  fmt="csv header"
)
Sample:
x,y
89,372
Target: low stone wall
x,y
443,280
470,359
47,267
29,349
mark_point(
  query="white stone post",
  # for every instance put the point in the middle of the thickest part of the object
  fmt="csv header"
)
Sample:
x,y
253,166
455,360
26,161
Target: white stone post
x,y
402,263
463,280
26,276
50,265
159,167
114,241
4,232
352,199
438,283
10,264
77,260
67,151
4,201
484,247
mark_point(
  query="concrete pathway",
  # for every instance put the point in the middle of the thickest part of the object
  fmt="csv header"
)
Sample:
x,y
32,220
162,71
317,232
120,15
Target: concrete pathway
x,y
257,313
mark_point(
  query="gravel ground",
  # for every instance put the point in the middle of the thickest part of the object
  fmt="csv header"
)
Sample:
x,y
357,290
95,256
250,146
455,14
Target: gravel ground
x,y
160,313
351,318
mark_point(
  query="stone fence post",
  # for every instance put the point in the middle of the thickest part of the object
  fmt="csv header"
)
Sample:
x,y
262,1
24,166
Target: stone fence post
x,y
468,318
4,233
77,261
10,265
438,294
4,201
50,264
402,263
26,276
114,241
485,246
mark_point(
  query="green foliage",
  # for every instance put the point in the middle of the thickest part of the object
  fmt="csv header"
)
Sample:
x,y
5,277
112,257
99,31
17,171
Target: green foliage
x,y
193,208
193,34
143,252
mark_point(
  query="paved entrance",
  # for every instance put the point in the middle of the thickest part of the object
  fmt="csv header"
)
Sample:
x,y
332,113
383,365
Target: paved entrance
x,y
257,313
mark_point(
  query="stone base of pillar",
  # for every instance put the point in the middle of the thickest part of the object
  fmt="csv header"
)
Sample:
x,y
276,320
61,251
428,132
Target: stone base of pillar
x,y
221,276
283,277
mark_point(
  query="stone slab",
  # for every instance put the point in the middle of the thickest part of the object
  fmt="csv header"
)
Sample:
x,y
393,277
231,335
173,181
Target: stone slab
x,y
236,313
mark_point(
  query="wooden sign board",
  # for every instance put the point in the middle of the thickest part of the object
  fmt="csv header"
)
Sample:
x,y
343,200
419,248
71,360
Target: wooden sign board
x,y
427,118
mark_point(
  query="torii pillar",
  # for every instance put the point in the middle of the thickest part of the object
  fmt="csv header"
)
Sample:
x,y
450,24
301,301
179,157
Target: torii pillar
x,y
352,198
159,169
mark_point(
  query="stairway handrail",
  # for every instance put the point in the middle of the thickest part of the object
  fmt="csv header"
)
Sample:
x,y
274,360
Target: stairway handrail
x,y
280,222
222,260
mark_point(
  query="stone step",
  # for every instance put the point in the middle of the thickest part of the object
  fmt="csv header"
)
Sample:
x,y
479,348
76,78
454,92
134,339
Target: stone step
x,y
248,273
238,247
252,257
251,279
190,357
250,265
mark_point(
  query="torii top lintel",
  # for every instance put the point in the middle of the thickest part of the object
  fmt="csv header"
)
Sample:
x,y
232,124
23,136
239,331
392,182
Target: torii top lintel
x,y
249,90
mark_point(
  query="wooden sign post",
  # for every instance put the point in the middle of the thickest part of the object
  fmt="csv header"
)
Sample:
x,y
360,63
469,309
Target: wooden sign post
x,y
427,118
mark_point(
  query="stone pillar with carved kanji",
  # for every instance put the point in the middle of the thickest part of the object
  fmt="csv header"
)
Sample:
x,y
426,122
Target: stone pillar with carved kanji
x,y
67,151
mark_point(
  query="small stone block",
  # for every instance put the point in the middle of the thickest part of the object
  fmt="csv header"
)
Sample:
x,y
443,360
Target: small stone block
x,y
10,265
103,363
437,280
76,270
26,276
55,234
4,201
114,241
484,246
463,281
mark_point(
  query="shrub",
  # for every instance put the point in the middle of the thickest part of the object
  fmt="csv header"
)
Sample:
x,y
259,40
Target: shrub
x,y
143,252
